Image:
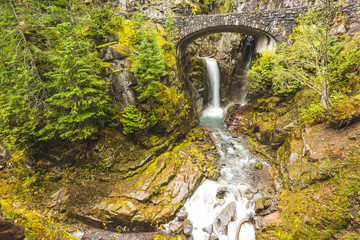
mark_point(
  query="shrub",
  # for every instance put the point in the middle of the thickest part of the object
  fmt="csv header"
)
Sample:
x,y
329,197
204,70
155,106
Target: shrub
x,y
133,120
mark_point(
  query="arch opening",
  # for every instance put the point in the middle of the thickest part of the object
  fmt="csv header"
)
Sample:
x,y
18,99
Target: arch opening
x,y
263,40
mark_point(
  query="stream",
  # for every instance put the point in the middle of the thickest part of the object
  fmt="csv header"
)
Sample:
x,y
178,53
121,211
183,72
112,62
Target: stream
x,y
217,207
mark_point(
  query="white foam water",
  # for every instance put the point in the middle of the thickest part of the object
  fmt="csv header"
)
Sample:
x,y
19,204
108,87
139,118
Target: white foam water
x,y
203,208
214,80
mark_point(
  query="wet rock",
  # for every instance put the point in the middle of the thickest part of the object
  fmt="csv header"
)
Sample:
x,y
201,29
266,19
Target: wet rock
x,y
214,174
175,227
252,190
221,201
11,231
223,182
182,215
141,196
213,237
220,192
259,205
208,229
248,203
188,227
227,213
249,196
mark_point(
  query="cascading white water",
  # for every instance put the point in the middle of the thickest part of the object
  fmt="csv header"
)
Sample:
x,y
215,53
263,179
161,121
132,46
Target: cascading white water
x,y
209,214
214,80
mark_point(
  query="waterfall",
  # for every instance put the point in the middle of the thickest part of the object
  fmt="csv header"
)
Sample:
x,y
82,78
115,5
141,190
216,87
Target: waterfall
x,y
217,207
214,87
214,81
248,51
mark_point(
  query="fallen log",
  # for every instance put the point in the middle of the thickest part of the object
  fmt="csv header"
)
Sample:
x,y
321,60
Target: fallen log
x,y
244,220
212,139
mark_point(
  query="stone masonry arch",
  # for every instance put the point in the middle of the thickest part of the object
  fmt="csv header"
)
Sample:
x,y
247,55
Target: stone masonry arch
x,y
268,27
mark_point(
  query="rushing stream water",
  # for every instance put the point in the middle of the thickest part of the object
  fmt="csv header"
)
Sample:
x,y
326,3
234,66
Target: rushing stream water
x,y
217,207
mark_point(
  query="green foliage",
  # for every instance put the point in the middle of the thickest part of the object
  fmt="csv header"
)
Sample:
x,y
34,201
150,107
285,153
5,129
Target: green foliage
x,y
317,60
138,21
105,21
148,66
260,74
49,75
132,120
171,31
206,4
200,7
228,5
78,95
313,114
264,77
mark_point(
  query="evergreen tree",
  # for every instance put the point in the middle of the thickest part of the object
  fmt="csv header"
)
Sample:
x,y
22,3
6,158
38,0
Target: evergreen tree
x,y
50,87
148,66
78,95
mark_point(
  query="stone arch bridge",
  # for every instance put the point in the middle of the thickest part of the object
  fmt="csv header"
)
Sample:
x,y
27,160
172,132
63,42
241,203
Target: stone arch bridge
x,y
267,26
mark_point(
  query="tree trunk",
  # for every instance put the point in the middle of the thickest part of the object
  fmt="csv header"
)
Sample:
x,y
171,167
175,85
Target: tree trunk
x,y
325,98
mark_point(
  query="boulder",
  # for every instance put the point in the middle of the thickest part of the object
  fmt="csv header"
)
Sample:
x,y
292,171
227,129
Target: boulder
x,y
119,212
11,231
221,201
182,215
268,220
188,227
220,193
214,174
228,211
213,237
208,229
175,227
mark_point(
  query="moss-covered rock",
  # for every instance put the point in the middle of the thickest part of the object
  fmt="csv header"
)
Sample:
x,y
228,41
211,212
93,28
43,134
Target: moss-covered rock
x,y
316,172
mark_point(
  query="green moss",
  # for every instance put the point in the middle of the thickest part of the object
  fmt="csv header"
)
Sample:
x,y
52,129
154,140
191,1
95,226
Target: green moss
x,y
322,210
105,64
121,48
106,44
36,226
